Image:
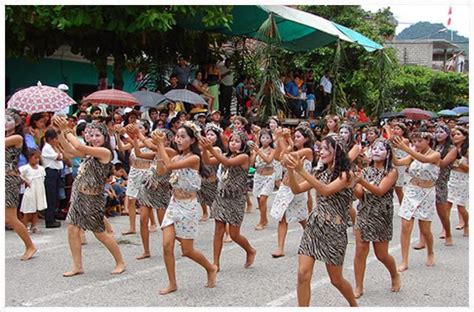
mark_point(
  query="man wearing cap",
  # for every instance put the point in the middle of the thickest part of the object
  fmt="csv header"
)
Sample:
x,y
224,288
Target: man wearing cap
x,y
216,118
200,118
63,87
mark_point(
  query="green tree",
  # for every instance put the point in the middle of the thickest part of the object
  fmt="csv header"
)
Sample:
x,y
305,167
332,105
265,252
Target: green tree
x,y
96,32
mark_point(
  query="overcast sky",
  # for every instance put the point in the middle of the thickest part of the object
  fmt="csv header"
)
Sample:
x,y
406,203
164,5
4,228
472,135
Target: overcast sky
x,y
409,14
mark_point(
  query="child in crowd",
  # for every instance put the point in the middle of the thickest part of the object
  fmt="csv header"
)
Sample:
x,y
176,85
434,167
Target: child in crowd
x,y
34,198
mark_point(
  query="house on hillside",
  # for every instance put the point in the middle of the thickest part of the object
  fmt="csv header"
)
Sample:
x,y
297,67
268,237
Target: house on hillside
x,y
438,54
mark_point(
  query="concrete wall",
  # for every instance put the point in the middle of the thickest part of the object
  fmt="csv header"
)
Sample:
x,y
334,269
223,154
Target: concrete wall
x,y
413,53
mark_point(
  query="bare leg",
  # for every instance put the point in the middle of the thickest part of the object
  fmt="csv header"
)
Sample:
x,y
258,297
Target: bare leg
x,y
305,274
282,230
338,281
144,232
114,249
360,260
421,244
205,213
465,218
218,242
407,227
399,192
153,225
381,252
352,214
74,238
82,234
188,251
34,221
442,209
249,204
227,238
425,228
161,215
168,255
108,227
309,202
131,216
460,225
244,243
25,220
11,219
262,204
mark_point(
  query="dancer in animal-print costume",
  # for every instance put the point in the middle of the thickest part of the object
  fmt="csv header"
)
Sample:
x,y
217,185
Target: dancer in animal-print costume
x,y
87,208
325,236
375,214
229,205
13,147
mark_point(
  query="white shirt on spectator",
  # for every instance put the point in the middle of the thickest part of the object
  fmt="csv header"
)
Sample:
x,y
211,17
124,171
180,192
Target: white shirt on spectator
x,y
229,79
327,85
49,158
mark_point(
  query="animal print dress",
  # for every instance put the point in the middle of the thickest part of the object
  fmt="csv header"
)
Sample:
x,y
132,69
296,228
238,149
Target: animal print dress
x,y
12,177
156,190
87,207
208,191
229,205
325,235
375,213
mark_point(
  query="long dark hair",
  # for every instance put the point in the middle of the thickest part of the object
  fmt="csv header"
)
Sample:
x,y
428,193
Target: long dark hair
x,y
350,142
341,161
308,134
465,144
194,148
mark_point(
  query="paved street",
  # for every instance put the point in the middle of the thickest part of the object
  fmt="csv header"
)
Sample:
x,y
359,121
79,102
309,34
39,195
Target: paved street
x,y
269,282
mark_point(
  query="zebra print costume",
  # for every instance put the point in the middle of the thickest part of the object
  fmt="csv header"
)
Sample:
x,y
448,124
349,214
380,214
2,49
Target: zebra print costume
x,y
375,213
156,190
208,191
87,208
12,177
325,236
229,205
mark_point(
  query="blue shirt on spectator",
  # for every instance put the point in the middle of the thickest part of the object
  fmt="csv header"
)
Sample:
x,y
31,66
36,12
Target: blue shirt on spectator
x,y
291,88
31,144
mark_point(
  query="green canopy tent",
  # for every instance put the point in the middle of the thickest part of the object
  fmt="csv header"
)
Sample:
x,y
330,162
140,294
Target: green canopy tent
x,y
299,31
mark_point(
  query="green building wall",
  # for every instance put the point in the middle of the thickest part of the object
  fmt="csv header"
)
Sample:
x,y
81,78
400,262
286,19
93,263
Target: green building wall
x,y
22,73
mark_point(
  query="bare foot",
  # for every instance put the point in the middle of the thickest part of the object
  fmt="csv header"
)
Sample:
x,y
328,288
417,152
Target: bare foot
x,y
459,226
278,254
358,292
430,260
259,227
152,228
212,276
119,269
396,283
448,241
73,272
143,256
466,231
128,232
28,254
227,239
204,218
83,240
402,267
442,235
250,258
419,246
169,289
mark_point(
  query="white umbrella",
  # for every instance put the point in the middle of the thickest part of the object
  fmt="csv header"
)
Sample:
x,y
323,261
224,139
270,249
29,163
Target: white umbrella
x,y
183,95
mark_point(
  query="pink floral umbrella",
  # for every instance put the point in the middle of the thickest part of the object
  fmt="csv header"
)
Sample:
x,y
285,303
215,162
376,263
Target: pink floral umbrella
x,y
40,98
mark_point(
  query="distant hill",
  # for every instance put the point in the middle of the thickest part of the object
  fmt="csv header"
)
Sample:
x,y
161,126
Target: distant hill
x,y
426,30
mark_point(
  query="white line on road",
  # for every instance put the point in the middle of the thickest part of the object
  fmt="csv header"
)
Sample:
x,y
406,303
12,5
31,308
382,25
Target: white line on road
x,y
323,281
122,278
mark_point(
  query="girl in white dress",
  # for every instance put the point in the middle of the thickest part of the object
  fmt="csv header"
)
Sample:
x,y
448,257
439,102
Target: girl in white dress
x,y
34,198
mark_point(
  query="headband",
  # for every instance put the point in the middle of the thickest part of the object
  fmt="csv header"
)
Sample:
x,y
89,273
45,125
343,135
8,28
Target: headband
x,y
211,126
194,128
97,126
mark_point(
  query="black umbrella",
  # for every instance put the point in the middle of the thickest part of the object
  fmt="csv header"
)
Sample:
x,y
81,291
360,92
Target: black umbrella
x,y
388,115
